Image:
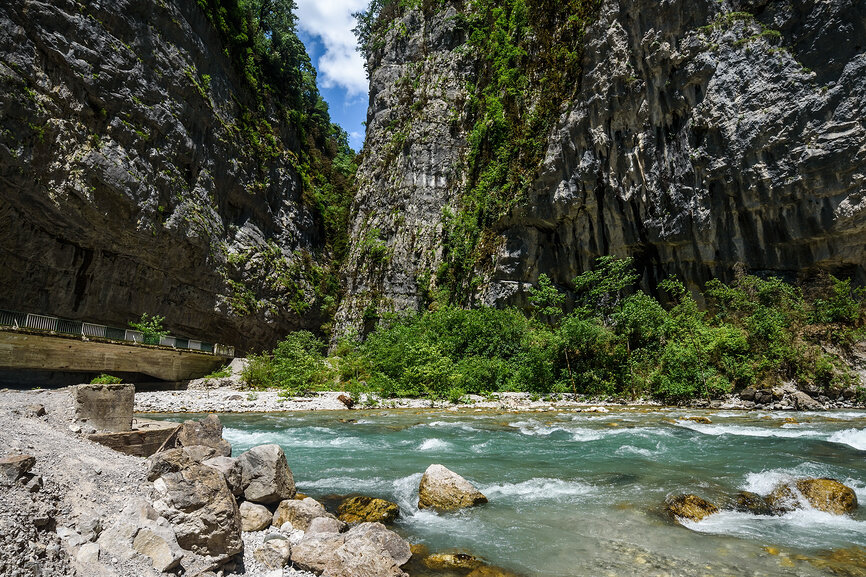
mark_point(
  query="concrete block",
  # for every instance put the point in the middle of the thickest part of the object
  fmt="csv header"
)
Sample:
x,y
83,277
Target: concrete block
x,y
105,407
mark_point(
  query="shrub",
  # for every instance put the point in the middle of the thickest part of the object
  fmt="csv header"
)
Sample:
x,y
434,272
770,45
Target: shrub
x,y
104,379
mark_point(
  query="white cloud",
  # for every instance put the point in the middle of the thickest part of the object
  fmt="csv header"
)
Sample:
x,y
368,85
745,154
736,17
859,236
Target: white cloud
x,y
331,21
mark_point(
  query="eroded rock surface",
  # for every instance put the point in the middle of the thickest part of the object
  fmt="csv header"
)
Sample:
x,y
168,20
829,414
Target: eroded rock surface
x,y
704,134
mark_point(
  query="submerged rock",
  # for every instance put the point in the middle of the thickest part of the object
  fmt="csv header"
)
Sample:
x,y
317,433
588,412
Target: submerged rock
x,y
488,571
850,562
266,475
361,508
826,495
445,490
690,507
753,503
452,561
701,420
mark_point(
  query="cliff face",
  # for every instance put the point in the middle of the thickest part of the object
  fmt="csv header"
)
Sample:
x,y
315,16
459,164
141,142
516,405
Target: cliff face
x,y
703,135
139,174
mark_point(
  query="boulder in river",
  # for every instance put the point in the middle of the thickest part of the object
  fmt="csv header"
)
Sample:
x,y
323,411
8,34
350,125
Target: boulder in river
x,y
690,507
360,509
299,513
207,432
266,475
747,502
445,490
826,495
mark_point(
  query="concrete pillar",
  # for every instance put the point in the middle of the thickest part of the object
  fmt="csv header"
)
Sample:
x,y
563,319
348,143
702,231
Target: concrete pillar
x,y
105,407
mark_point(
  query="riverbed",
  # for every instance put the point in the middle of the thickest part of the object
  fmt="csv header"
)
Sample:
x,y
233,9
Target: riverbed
x,y
580,494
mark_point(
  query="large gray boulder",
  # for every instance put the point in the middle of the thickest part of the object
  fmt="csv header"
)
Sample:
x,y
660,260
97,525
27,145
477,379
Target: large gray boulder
x,y
366,550
299,513
202,510
369,550
266,475
139,529
445,490
389,541
14,466
804,402
207,432
315,551
231,470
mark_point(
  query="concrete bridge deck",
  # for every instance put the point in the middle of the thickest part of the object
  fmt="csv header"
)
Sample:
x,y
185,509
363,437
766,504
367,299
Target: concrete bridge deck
x,y
22,349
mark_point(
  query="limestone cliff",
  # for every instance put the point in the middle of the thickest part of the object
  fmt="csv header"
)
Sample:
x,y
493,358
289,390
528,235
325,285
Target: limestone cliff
x,y
701,134
141,173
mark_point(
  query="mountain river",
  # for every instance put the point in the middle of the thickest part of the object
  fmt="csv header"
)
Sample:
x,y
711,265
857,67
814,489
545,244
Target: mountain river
x,y
580,494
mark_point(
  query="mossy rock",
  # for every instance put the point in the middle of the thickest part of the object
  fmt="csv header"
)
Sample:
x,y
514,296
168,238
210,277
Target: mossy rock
x,y
452,562
701,420
753,503
850,562
828,495
690,507
363,509
488,571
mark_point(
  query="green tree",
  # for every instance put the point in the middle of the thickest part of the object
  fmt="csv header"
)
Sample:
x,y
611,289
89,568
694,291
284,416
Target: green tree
x,y
601,291
151,327
546,300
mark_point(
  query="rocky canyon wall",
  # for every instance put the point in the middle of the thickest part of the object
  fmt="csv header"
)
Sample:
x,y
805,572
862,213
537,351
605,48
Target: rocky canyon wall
x,y
140,173
703,134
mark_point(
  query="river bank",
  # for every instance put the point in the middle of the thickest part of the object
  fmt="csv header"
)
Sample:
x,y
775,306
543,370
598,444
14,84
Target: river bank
x,y
235,399
549,467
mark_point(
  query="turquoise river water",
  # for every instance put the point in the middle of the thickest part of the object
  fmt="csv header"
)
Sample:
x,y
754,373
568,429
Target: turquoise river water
x,y
579,494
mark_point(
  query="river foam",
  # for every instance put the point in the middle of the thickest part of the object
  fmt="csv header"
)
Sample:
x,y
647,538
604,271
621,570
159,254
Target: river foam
x,y
540,489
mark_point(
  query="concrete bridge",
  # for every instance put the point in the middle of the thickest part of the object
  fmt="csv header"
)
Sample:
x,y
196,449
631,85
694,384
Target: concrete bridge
x,y
48,344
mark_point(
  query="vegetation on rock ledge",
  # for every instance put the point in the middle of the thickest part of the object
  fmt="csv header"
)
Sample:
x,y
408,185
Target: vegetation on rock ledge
x,y
617,341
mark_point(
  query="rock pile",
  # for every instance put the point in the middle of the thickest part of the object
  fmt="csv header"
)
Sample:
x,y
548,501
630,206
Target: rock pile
x,y
204,500
827,495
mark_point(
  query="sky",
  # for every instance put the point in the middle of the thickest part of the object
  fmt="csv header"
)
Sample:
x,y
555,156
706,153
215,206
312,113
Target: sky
x,y
325,27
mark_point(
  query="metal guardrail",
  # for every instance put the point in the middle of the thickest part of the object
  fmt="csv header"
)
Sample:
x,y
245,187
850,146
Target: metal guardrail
x,y
68,327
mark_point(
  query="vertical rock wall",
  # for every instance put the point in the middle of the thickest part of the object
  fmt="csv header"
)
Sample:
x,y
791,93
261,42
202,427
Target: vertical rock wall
x,y
129,182
705,134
